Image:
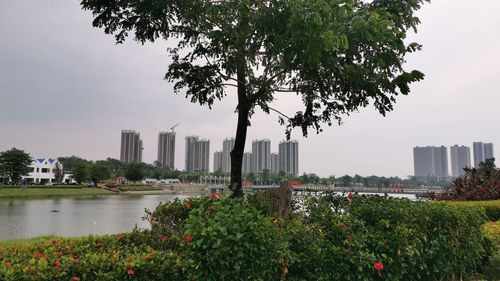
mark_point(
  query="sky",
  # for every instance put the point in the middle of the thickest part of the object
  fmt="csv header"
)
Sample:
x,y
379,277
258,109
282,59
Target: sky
x,y
67,89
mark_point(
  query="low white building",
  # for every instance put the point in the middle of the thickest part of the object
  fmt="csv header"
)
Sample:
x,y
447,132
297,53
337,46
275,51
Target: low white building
x,y
42,172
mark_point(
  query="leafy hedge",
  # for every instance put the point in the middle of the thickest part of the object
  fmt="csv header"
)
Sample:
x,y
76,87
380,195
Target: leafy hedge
x,y
491,208
327,237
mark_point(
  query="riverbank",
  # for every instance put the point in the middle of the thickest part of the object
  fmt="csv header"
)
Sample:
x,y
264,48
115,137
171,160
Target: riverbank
x,y
51,192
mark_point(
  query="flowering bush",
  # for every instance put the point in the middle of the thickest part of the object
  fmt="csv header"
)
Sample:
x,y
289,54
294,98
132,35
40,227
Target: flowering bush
x,y
117,257
228,239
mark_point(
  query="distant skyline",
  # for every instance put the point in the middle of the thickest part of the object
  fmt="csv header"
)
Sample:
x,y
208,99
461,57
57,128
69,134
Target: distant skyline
x,y
67,89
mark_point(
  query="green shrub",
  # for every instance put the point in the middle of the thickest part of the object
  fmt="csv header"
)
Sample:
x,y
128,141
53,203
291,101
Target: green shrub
x,y
228,239
491,208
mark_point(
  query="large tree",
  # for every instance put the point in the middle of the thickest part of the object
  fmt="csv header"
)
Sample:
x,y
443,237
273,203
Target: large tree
x,y
14,164
337,55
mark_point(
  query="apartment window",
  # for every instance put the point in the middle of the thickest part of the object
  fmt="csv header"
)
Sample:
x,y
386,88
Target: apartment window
x,y
45,170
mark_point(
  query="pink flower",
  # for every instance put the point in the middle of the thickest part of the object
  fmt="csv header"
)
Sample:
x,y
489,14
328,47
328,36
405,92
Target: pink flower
x,y
130,272
57,262
213,195
98,245
209,208
59,253
378,266
8,264
188,206
74,278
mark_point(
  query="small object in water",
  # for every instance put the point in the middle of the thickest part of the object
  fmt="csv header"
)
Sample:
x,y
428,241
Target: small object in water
x,y
54,211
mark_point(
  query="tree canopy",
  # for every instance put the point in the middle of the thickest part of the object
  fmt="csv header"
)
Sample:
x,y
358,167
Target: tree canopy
x,y
14,164
337,55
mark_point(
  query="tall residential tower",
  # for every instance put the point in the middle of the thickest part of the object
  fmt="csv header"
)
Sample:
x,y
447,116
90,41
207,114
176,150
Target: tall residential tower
x,y
289,157
166,149
131,147
460,158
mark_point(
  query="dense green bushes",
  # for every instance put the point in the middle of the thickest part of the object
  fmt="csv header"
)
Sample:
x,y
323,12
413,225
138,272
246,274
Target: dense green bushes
x,y
491,208
327,237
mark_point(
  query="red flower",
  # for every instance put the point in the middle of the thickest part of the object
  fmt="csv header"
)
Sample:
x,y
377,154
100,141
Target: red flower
x,y
74,278
342,226
350,196
57,262
130,272
188,238
98,245
213,195
8,264
188,206
38,255
209,208
220,196
378,266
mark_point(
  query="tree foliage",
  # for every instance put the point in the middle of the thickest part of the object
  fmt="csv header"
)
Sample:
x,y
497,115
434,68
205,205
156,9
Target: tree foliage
x,y
134,172
98,172
337,55
58,173
14,164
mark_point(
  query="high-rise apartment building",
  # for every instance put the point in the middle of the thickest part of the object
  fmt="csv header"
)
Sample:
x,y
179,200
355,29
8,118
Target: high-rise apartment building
x,y
261,155
217,161
131,147
460,158
189,153
482,151
431,163
227,147
289,157
166,149
247,163
275,163
202,156
197,155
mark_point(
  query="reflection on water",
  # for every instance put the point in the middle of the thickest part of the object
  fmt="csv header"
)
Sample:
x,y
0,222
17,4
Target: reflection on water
x,y
24,218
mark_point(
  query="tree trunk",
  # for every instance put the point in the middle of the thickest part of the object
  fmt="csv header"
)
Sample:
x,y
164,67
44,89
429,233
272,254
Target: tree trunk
x,y
236,185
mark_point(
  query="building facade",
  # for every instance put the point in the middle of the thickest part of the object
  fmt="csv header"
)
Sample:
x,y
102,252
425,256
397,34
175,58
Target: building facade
x,y
217,161
42,172
289,157
275,163
460,159
189,153
202,156
431,163
166,149
261,155
482,151
227,147
246,168
131,147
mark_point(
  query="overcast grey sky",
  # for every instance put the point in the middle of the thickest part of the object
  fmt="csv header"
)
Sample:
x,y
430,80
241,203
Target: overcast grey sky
x,y
67,89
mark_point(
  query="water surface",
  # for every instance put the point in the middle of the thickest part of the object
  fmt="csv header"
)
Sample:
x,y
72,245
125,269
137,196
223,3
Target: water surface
x,y
77,216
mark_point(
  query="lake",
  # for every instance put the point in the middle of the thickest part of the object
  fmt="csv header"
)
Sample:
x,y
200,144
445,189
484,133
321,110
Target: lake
x,y
77,216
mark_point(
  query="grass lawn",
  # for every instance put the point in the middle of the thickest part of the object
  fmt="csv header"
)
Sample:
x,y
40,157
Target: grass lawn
x,y
28,241
34,191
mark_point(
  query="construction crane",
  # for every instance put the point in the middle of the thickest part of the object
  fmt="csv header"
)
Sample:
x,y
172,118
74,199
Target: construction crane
x,y
173,127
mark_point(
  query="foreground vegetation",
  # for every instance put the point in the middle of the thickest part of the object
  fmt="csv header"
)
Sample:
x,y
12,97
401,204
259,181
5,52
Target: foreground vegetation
x,y
323,238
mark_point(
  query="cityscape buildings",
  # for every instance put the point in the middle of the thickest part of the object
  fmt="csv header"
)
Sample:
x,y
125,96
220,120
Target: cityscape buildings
x,y
460,158
261,155
274,163
289,157
218,160
202,156
189,153
131,147
227,147
482,151
247,163
166,149
431,163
